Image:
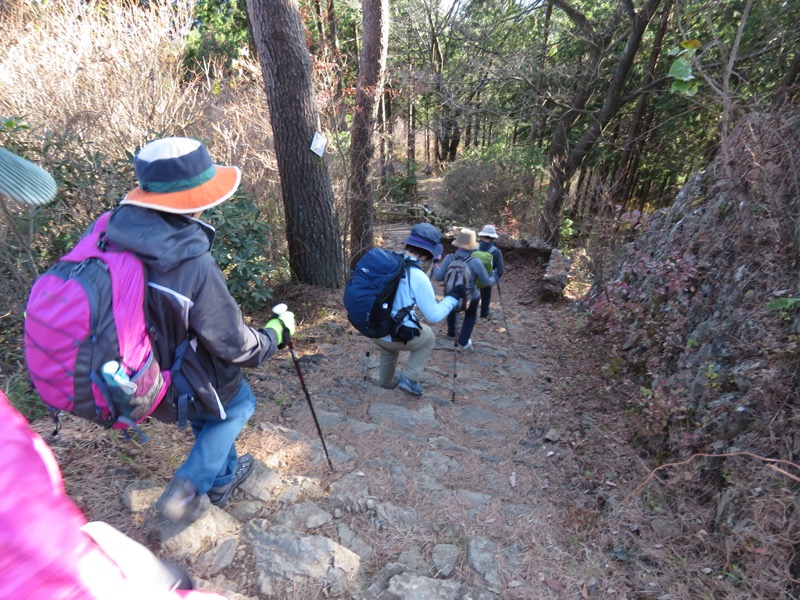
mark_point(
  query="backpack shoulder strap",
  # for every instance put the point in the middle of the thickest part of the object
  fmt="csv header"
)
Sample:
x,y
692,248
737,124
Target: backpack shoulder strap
x,y
407,311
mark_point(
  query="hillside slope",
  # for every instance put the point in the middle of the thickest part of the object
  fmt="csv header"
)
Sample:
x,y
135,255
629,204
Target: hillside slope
x,y
522,485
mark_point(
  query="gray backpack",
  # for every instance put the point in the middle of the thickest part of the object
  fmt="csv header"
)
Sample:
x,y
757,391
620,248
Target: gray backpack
x,y
458,272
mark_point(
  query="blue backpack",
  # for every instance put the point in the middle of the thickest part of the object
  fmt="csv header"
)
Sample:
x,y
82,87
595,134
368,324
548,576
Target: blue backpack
x,y
370,292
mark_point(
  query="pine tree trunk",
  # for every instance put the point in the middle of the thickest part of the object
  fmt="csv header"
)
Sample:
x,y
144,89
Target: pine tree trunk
x,y
312,231
372,69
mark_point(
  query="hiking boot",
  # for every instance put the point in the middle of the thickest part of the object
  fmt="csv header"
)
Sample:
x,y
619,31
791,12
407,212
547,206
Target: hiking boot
x,y
181,502
220,496
466,346
487,316
405,384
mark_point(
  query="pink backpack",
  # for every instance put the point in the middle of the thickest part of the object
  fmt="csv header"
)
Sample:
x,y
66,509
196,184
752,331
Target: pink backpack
x,y
85,313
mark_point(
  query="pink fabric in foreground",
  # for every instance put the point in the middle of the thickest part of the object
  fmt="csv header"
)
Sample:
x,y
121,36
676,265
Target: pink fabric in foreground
x,y
44,555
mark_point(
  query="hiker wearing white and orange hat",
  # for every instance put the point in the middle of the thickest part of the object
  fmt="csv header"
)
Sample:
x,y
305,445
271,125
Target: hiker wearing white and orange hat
x,y
189,299
49,550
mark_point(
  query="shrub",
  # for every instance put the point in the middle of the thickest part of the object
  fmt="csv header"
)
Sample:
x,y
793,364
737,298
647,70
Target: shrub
x,y
219,34
481,188
241,250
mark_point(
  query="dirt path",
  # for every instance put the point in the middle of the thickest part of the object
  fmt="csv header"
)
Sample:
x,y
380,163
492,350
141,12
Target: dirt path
x,y
506,480
522,461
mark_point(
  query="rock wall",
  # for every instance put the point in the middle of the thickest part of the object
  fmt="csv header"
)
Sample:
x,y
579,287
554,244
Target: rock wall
x,y
703,306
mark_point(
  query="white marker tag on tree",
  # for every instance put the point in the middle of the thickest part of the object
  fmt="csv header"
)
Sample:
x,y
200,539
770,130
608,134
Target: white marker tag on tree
x,y
318,144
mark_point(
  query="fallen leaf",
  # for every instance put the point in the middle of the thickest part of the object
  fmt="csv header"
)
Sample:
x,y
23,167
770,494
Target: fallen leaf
x,y
554,585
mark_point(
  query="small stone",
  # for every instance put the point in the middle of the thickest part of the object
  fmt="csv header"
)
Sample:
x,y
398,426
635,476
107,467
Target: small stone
x,y
552,435
140,496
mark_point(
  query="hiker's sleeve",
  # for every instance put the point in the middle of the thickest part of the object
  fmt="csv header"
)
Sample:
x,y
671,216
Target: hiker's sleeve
x,y
439,272
499,265
425,298
216,319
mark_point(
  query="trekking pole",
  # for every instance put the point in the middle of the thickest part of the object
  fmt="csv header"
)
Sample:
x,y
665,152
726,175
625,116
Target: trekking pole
x,y
455,356
278,310
503,308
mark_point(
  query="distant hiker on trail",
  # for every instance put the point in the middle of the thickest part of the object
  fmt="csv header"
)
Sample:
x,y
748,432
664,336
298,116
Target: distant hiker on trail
x,y
422,246
487,237
466,242
187,299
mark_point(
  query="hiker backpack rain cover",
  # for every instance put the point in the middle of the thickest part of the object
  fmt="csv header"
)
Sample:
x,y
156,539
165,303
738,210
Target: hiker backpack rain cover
x,y
488,262
86,312
459,273
370,292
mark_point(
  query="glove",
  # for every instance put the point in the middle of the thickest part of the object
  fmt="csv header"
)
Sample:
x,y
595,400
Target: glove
x,y
280,324
458,292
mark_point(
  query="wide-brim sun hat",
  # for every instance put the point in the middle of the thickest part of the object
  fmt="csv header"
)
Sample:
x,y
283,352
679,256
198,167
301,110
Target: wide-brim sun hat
x,y
466,240
177,175
427,237
488,231
23,181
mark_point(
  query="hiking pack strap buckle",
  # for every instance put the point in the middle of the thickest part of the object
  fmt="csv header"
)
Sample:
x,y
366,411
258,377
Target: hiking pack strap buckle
x,y
54,412
185,395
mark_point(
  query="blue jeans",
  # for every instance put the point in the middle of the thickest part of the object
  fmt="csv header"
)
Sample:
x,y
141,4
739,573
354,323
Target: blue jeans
x,y
470,316
212,460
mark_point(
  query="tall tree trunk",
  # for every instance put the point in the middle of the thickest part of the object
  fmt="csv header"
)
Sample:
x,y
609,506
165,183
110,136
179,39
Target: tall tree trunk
x,y
454,138
625,166
386,135
411,152
565,160
340,107
388,98
382,158
312,230
320,21
633,168
539,118
580,193
427,138
372,69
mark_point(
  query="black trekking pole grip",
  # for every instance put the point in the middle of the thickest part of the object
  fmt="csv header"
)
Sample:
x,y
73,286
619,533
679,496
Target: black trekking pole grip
x,y
278,310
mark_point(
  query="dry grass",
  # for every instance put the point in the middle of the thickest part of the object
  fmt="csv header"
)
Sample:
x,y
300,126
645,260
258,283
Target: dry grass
x,y
114,78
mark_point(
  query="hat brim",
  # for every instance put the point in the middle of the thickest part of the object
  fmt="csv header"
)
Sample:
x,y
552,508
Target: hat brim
x,y
416,242
213,192
487,234
25,182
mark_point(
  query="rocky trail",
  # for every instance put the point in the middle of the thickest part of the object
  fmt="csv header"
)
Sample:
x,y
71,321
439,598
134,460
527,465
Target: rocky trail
x,y
508,481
